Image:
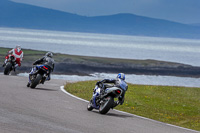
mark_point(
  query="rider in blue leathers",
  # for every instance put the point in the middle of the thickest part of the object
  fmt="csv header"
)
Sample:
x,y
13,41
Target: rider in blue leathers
x,y
118,82
47,60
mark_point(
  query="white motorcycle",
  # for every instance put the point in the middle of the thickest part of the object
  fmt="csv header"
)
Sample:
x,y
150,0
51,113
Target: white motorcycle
x,y
104,100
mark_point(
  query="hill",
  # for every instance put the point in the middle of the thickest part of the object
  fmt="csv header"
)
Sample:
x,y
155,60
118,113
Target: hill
x,y
27,16
195,24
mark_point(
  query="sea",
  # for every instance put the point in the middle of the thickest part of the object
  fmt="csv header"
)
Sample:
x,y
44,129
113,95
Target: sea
x,y
186,51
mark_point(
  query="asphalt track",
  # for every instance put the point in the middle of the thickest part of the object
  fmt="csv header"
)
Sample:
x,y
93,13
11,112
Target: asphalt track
x,y
47,109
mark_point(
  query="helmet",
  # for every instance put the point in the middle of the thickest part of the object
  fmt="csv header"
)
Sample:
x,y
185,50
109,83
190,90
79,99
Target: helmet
x,y
121,76
49,54
18,47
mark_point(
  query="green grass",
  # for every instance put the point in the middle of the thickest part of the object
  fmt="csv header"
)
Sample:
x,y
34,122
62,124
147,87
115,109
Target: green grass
x,y
175,105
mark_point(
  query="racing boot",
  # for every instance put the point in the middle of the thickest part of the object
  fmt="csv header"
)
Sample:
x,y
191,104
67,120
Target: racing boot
x,y
4,64
43,80
16,65
48,77
115,104
28,84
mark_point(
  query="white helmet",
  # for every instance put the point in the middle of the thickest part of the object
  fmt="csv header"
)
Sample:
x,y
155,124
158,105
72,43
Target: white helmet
x,y
49,54
18,47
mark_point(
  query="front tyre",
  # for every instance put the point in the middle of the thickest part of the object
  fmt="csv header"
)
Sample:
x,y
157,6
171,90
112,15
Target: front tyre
x,y
36,81
8,68
89,106
106,105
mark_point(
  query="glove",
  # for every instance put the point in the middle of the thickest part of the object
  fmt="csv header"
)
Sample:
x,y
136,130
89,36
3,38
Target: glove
x,y
34,63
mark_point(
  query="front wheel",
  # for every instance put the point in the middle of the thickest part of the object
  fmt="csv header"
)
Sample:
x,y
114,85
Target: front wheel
x,y
8,68
106,105
36,81
89,106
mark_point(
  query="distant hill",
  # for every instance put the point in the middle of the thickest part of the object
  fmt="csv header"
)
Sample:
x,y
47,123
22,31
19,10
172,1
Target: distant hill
x,y
27,16
195,24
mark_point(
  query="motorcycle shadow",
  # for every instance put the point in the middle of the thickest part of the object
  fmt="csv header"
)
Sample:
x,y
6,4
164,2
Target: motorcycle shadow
x,y
120,115
114,114
45,89
12,73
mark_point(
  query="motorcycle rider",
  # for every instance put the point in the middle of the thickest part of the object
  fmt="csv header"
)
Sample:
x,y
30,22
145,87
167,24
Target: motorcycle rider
x,y
47,60
118,82
18,54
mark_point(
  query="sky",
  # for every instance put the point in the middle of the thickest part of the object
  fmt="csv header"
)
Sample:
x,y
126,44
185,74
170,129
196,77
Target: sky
x,y
183,11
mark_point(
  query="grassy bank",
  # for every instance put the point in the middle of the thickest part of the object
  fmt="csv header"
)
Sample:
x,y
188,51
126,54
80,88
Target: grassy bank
x,y
175,105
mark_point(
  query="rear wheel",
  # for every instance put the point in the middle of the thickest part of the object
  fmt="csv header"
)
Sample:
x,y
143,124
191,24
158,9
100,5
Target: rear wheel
x,y
36,81
7,68
106,105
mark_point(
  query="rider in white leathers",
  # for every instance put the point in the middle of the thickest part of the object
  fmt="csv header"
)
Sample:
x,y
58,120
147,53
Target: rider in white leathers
x,y
118,82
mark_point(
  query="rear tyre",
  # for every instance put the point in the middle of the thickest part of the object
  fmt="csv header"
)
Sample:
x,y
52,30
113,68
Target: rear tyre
x,y
7,68
36,81
106,105
89,106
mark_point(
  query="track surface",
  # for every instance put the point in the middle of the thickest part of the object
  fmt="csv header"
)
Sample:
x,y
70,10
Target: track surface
x,y
47,109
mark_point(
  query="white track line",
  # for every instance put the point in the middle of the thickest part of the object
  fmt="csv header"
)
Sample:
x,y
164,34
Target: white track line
x,y
63,90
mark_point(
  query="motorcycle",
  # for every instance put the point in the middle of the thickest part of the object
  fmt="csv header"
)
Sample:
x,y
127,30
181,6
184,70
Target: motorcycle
x,y
104,100
38,74
10,65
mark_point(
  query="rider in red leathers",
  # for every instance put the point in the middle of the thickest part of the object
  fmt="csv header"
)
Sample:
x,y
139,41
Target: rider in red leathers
x,y
18,54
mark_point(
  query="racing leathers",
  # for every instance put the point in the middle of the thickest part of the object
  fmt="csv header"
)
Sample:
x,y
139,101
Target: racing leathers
x,y
118,83
17,54
46,61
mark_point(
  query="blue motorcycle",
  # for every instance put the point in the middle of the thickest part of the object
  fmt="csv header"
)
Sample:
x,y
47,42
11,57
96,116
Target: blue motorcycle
x,y
39,74
103,100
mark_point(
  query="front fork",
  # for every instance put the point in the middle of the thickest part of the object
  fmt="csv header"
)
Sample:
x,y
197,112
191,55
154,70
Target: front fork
x,y
32,73
95,101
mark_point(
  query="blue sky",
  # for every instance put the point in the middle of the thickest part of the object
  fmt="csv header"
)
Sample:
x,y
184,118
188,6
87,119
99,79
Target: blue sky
x,y
184,11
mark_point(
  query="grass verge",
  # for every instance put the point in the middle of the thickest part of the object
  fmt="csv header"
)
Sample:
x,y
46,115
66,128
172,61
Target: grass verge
x,y
175,105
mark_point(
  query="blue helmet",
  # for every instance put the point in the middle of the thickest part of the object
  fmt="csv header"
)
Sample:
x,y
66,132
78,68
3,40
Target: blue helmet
x,y
121,76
